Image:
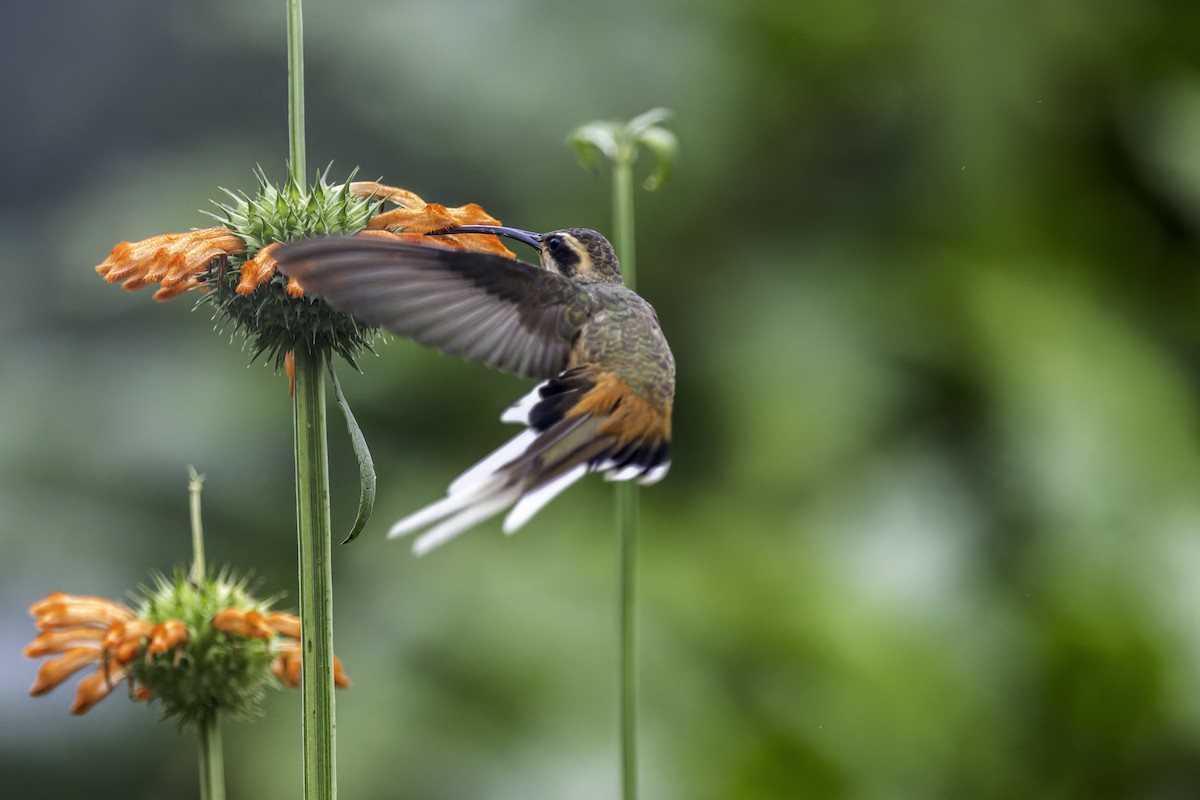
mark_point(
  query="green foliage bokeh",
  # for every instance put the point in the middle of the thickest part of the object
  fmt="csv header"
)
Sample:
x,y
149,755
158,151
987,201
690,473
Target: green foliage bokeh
x,y
929,273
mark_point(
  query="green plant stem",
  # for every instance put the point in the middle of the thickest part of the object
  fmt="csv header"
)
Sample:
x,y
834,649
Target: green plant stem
x,y
627,517
627,534
195,486
316,578
622,213
295,53
208,728
212,758
312,495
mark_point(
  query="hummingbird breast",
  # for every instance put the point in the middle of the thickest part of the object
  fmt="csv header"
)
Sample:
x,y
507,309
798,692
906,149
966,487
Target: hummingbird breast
x,y
623,338
622,375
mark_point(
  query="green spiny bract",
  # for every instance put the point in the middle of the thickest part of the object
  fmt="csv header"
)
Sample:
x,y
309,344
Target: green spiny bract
x,y
212,671
274,322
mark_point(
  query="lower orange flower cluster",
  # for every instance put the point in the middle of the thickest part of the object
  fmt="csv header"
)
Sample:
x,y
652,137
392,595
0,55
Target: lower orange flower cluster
x,y
84,631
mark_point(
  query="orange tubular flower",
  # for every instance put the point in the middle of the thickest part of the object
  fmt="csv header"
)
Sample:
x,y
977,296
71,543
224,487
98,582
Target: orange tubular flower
x,y
242,622
84,631
414,218
259,269
52,673
96,687
175,261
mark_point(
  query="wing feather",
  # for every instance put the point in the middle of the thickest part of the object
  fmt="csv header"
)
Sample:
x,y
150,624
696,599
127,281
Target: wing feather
x,y
509,315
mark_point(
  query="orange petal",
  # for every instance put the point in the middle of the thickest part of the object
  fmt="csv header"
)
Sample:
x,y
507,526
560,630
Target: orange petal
x,y
127,651
52,599
56,599
173,259
286,667
392,194
416,216
120,633
372,234
230,620
287,647
284,624
258,626
474,242
94,688
339,674
244,623
167,635
472,214
431,217
293,666
174,290
78,610
289,366
61,640
258,270
142,695
478,243
52,673
287,664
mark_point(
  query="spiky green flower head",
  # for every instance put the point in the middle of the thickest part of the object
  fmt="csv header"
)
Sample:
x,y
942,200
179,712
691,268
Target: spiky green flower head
x,y
275,315
210,663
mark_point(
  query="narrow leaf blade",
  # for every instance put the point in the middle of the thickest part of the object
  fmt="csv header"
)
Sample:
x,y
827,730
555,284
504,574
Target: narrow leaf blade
x,y
366,465
665,147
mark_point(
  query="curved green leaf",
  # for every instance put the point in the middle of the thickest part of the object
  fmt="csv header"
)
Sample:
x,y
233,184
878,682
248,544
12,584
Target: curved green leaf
x,y
366,465
592,140
647,120
665,147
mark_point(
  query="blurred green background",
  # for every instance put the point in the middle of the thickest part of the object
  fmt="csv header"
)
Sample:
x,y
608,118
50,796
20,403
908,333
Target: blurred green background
x,y
929,273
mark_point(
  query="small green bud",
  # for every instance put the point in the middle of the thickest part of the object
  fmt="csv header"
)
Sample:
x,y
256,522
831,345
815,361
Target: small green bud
x,y
620,143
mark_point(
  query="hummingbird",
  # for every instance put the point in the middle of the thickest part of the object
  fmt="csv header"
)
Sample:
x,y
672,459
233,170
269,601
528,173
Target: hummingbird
x,y
606,375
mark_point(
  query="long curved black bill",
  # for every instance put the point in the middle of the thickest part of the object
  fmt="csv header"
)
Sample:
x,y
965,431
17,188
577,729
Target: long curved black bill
x,y
534,240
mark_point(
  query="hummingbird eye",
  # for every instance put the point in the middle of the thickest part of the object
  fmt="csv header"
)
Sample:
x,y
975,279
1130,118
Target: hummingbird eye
x,y
566,260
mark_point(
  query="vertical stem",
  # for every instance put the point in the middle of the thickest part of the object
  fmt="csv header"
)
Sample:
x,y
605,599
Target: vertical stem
x,y
295,38
195,485
622,211
627,534
627,516
316,578
212,759
312,494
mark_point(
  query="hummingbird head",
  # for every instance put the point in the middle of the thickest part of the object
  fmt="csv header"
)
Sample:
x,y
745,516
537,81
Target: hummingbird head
x,y
580,254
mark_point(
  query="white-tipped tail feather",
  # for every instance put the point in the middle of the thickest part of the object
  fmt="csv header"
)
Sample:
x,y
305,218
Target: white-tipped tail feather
x,y
654,474
554,451
464,519
532,502
482,492
519,411
487,467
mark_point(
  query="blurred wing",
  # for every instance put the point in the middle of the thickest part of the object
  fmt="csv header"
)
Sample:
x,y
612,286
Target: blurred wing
x,y
504,313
